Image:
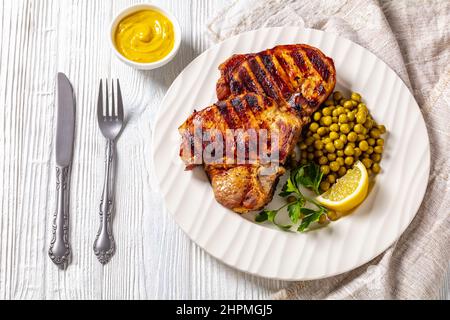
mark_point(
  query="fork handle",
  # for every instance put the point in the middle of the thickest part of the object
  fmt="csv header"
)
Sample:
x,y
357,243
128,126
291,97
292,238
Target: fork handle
x,y
104,245
59,250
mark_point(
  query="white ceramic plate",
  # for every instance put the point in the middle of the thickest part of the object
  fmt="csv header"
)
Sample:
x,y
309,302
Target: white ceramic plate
x,y
270,252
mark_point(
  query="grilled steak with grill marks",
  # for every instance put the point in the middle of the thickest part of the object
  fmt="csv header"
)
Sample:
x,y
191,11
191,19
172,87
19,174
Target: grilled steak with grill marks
x,y
276,90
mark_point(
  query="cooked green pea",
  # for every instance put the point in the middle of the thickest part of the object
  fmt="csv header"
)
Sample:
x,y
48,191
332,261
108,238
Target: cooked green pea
x,y
361,137
318,144
340,160
356,97
382,128
338,144
340,153
335,113
334,127
303,145
331,178
325,169
343,118
376,168
313,127
324,185
303,161
322,131
326,140
351,124
331,156
327,120
342,171
363,145
352,136
358,128
343,137
370,150
337,95
335,119
318,153
349,160
334,135
369,172
367,162
368,124
332,215
380,142
362,106
375,133
348,104
344,128
358,152
334,166
330,147
323,160
351,116
329,102
360,117
378,149
309,141
310,156
310,149
326,111
371,141
349,150
376,157
317,115
323,218
316,136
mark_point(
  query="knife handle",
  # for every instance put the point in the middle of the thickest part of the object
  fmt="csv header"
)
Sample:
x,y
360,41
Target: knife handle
x,y
59,250
104,244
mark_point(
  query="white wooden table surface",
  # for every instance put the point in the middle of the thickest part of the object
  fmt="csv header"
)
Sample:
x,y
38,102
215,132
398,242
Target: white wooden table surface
x,y
154,258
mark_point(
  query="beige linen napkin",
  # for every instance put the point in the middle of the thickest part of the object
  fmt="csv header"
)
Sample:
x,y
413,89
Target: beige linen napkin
x,y
413,38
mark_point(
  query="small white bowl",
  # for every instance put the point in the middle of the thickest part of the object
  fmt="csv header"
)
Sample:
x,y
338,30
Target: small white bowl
x,y
147,65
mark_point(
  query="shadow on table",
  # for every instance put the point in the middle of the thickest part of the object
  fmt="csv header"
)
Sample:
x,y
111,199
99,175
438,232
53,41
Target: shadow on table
x,y
165,75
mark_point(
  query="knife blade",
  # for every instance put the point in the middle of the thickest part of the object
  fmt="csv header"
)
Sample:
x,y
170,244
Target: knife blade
x,y
59,250
65,123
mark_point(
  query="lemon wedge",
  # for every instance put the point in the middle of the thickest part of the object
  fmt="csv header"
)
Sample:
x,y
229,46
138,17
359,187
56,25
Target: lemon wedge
x,y
348,191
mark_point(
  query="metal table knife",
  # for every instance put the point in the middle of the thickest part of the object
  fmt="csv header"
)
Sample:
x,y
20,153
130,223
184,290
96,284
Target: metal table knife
x,y
59,250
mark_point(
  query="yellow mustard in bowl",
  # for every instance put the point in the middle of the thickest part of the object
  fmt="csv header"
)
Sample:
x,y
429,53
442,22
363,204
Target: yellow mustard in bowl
x,y
145,36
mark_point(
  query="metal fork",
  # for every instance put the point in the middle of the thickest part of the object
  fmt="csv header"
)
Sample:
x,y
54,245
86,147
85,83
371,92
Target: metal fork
x,y
110,121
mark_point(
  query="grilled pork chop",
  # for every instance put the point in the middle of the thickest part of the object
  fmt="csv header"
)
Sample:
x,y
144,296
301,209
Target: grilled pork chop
x,y
272,92
247,181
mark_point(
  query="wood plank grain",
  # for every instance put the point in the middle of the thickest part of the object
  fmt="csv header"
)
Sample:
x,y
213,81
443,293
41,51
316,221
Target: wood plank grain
x,y
154,259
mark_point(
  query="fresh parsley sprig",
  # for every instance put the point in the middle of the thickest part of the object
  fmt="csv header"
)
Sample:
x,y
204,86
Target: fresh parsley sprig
x,y
308,176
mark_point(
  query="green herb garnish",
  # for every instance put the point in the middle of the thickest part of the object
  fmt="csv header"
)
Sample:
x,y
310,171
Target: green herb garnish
x,y
308,176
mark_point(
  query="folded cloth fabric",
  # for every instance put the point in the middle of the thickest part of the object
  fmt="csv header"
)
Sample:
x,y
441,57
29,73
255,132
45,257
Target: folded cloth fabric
x,y
413,38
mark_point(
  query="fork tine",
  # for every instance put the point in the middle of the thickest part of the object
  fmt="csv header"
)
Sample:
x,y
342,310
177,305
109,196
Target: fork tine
x,y
107,113
119,102
100,102
113,104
